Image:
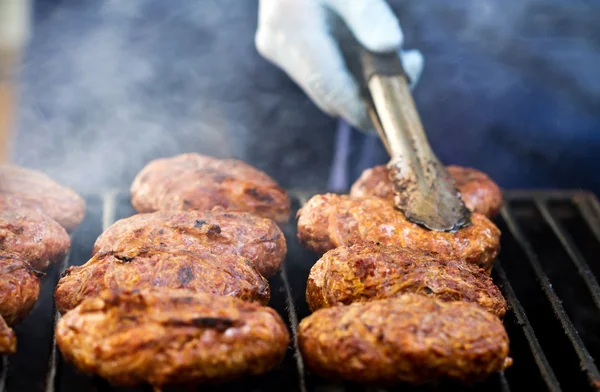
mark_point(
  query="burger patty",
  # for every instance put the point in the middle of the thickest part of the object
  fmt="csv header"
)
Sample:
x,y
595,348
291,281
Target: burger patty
x,y
411,338
328,221
36,238
197,182
188,266
479,193
22,188
257,239
368,271
167,337
19,290
8,339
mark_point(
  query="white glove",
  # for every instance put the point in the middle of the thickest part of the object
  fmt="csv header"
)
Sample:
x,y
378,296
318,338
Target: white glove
x,y
294,35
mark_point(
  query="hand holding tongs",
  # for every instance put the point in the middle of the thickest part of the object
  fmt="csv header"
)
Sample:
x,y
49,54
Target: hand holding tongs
x,y
424,189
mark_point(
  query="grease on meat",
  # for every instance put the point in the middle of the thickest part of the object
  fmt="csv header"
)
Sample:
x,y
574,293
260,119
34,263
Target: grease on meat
x,y
412,338
479,193
22,188
171,337
328,221
368,271
257,239
197,182
191,267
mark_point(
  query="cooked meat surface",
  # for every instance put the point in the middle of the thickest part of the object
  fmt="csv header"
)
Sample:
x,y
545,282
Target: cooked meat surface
x,y
479,192
368,271
257,239
328,221
19,289
197,182
411,338
168,337
8,338
191,267
37,238
30,189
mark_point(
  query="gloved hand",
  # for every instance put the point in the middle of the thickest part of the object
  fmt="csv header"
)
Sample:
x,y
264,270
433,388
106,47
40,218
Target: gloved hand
x,y
294,35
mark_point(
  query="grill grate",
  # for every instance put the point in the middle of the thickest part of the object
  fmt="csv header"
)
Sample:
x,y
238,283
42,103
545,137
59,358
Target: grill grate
x,y
547,239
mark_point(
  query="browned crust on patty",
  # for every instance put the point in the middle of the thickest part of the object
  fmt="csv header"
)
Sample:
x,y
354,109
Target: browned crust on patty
x,y
19,288
36,238
479,192
257,239
328,221
8,338
191,267
411,338
197,182
30,189
368,271
167,337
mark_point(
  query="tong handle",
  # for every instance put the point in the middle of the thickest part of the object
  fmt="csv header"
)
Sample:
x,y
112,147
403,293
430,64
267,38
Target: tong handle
x,y
384,64
390,104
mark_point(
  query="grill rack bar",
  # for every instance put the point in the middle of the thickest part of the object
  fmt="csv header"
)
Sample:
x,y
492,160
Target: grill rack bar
x,y
587,361
534,345
53,365
4,373
565,239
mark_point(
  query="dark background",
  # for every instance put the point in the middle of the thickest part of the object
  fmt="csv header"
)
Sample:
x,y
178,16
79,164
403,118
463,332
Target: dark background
x,y
511,87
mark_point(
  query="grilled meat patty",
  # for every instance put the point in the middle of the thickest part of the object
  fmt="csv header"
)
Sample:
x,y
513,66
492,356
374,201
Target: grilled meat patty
x,y
257,239
167,337
37,238
368,271
8,339
197,182
328,221
30,189
19,289
479,193
411,338
188,266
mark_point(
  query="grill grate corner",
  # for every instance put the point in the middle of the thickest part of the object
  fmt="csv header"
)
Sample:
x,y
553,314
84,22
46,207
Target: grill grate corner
x,y
547,271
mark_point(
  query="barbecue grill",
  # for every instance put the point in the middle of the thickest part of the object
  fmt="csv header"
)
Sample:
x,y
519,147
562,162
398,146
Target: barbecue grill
x,y
548,238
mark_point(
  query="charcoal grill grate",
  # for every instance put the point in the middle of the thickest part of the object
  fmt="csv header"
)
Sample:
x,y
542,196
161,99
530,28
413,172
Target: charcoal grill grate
x,y
543,271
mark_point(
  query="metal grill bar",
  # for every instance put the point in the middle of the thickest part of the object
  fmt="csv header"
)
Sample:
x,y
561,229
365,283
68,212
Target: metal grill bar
x,y
587,211
504,382
587,361
52,366
536,349
4,373
293,318
571,249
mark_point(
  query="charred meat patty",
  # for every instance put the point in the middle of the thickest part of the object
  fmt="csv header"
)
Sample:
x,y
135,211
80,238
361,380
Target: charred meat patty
x,y
328,221
197,182
479,192
191,267
30,189
411,338
257,239
171,337
368,271
37,238
19,290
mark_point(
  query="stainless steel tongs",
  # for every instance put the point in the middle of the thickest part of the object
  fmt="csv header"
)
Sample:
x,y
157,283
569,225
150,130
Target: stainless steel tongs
x,y
424,190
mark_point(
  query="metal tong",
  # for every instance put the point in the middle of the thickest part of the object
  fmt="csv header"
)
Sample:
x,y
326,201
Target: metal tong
x,y
424,190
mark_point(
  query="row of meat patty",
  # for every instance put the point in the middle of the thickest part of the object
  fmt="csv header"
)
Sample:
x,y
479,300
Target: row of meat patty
x,y
178,293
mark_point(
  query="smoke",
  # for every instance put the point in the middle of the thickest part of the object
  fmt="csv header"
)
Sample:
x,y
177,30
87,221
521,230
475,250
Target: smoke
x,y
108,86
97,104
